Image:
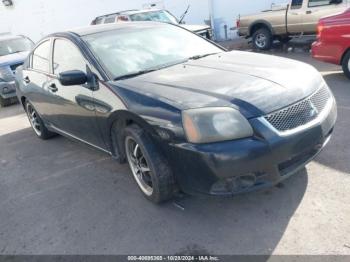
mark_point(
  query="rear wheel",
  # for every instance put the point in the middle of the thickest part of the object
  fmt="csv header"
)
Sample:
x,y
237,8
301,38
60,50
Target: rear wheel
x,y
149,168
346,64
37,124
262,39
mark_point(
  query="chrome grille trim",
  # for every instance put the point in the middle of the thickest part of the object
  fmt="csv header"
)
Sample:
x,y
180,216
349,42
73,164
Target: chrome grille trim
x,y
301,113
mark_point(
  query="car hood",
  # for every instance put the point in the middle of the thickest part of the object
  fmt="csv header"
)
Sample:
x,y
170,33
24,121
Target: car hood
x,y
255,84
195,28
13,58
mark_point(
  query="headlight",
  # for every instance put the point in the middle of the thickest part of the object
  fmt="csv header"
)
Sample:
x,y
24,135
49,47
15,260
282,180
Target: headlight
x,y
6,74
214,124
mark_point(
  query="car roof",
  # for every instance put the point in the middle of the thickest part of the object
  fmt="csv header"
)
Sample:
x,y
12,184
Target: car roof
x,y
89,30
133,12
129,12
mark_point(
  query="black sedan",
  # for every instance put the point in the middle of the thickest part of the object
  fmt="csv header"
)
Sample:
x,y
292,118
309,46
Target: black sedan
x,y
184,113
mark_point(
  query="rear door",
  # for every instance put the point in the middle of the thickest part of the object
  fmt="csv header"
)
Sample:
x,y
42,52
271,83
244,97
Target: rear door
x,y
74,109
35,77
314,10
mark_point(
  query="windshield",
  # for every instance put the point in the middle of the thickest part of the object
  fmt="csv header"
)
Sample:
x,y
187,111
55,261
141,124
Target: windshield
x,y
158,16
130,50
15,45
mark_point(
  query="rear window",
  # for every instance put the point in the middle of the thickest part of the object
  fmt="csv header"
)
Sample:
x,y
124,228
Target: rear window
x,y
158,16
110,19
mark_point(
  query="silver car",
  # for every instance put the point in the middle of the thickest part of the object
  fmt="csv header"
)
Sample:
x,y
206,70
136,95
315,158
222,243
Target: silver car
x,y
13,52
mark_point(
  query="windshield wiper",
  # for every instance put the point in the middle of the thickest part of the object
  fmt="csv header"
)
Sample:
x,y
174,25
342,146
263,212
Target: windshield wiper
x,y
141,72
196,57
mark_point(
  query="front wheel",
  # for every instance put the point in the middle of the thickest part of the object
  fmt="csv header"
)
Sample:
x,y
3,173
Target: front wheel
x,y
346,64
4,102
149,168
262,39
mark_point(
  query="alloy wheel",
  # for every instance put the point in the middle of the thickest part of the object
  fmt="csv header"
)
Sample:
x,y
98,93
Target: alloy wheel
x,y
139,166
260,40
34,119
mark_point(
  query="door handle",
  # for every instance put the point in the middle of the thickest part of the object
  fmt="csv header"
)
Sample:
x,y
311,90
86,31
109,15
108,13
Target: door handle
x,y
53,88
26,80
308,12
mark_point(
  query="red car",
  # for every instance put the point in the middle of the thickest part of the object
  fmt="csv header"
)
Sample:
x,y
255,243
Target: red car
x,y
333,41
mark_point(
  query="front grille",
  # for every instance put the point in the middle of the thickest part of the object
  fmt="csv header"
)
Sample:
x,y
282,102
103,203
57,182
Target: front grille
x,y
7,75
300,113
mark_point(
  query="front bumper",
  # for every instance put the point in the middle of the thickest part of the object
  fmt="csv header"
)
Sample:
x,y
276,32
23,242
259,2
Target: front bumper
x,y
243,32
8,89
233,167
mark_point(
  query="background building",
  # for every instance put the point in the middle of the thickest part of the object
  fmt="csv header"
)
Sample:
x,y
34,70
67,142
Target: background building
x,y
37,18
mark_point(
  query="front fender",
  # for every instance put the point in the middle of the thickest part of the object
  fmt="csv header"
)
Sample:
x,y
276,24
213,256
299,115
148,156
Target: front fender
x,y
163,122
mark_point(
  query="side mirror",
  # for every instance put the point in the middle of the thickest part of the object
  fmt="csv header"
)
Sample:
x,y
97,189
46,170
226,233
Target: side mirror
x,y
72,78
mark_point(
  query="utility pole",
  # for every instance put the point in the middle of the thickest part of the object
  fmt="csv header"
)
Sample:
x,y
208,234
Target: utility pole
x,y
211,17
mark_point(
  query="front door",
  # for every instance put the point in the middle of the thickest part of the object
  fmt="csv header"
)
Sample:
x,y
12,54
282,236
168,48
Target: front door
x,y
294,17
74,111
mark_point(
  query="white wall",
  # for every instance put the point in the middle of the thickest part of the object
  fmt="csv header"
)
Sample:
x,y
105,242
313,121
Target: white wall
x,y
226,12
37,18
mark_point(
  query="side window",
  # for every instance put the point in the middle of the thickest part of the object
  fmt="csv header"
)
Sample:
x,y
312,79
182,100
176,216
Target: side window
x,y
296,4
98,20
40,58
314,3
66,56
110,19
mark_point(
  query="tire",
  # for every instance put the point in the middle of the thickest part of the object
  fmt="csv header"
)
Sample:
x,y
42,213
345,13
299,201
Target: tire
x,y
4,102
346,64
36,122
262,39
151,172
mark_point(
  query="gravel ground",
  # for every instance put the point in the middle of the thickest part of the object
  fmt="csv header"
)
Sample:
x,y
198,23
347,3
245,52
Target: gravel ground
x,y
62,197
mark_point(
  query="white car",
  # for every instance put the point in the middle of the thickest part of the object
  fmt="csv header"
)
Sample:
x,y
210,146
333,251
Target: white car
x,y
157,15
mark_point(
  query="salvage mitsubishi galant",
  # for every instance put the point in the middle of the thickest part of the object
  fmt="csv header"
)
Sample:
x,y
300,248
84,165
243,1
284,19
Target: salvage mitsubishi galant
x,y
184,113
